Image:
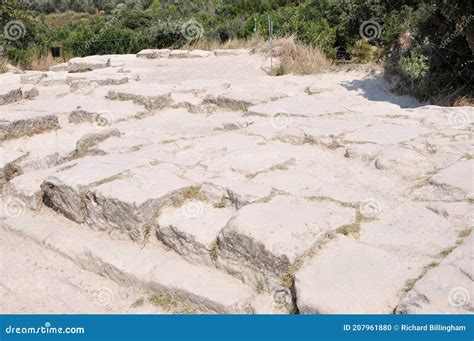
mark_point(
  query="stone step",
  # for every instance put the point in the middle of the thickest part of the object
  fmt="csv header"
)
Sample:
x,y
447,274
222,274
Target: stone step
x,y
10,95
7,167
105,112
65,188
192,229
14,124
197,288
153,53
152,97
131,204
83,64
265,240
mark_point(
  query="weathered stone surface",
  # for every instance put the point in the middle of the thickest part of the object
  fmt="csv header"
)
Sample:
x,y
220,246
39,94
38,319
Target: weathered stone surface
x,y
131,204
29,92
10,95
199,54
265,239
403,161
243,96
85,145
445,289
26,189
65,189
458,176
21,123
385,134
7,167
325,193
156,97
33,77
154,53
191,230
86,85
228,52
59,67
305,106
245,162
410,229
242,191
203,290
178,54
350,277
87,64
106,112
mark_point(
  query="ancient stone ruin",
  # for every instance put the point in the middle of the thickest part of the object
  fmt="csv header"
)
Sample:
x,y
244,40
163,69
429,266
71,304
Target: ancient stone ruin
x,y
196,176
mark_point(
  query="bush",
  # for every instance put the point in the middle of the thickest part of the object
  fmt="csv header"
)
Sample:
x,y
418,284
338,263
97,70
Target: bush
x,y
363,52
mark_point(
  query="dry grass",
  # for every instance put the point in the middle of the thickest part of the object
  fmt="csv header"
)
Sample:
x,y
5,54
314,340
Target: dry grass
x,y
302,60
464,102
3,66
208,45
291,56
456,98
294,57
43,63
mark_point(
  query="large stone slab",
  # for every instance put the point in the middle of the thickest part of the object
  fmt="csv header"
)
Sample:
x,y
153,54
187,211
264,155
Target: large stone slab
x,y
241,97
25,190
265,239
229,52
179,54
459,176
412,164
251,161
298,130
105,112
10,95
409,228
87,63
7,167
301,105
14,124
86,84
192,229
445,289
153,53
349,277
385,134
200,54
195,288
131,205
240,190
65,189
152,97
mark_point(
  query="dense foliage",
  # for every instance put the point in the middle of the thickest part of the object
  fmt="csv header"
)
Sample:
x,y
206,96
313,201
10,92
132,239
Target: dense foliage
x,y
427,45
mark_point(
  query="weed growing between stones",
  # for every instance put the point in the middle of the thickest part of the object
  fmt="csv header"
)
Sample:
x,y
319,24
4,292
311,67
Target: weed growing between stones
x,y
213,250
409,284
259,288
170,305
138,303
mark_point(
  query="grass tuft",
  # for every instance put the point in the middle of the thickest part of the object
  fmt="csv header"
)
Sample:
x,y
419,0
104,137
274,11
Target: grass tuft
x,y
138,303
